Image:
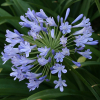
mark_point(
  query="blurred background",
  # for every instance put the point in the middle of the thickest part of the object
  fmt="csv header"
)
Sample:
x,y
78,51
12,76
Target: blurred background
x,y
83,83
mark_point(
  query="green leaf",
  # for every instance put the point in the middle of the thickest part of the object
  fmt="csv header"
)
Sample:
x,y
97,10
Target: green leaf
x,y
67,4
6,68
87,63
54,93
12,97
85,7
84,81
59,5
98,4
14,21
90,76
92,80
3,13
6,4
2,21
21,6
11,87
96,14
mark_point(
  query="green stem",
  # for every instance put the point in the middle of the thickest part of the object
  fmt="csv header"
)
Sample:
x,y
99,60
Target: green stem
x,y
38,69
71,45
34,67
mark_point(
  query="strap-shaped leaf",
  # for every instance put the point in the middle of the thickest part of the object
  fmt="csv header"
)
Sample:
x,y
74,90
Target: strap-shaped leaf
x,y
54,93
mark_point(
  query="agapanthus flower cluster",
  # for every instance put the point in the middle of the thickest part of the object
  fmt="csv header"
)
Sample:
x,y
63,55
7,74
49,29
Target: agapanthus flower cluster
x,y
47,43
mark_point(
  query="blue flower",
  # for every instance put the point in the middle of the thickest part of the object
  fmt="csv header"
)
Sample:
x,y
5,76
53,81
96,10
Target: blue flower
x,y
31,75
21,60
26,22
60,83
65,28
35,27
84,30
30,14
25,68
5,57
92,42
80,41
41,14
85,22
77,63
79,49
17,73
9,52
43,51
25,47
42,61
59,57
63,41
86,54
34,34
13,37
51,21
32,85
65,51
58,68
11,34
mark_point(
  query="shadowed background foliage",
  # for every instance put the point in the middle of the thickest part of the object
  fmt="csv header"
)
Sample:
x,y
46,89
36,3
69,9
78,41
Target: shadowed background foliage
x,y
83,83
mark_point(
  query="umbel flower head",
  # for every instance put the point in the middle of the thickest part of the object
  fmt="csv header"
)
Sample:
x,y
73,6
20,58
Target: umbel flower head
x,y
45,47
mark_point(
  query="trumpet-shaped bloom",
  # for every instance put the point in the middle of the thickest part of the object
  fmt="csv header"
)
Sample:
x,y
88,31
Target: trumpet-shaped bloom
x,y
30,14
84,30
86,54
85,22
32,85
63,41
17,73
77,63
59,57
60,83
41,14
65,51
42,61
31,75
51,21
25,47
58,68
21,60
80,41
43,51
65,28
